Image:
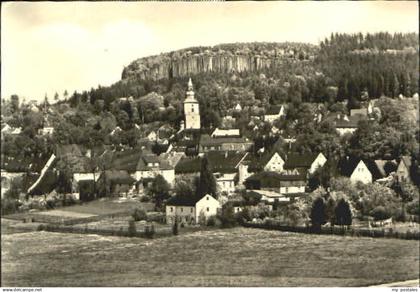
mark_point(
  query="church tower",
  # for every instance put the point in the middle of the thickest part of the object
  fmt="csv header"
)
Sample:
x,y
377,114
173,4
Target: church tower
x,y
191,109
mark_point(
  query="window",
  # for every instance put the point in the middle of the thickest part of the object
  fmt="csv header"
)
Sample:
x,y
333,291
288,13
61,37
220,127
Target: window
x,y
208,209
172,209
192,210
182,209
207,199
287,189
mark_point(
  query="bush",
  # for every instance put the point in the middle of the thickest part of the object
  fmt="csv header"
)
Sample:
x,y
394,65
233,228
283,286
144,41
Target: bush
x,y
211,221
131,228
149,231
139,214
380,213
145,199
175,228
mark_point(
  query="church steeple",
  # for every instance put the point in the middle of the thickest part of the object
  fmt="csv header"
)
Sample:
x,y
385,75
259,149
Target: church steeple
x,y
191,109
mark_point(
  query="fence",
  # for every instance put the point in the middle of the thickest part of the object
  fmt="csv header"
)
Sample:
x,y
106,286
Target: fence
x,y
147,232
336,230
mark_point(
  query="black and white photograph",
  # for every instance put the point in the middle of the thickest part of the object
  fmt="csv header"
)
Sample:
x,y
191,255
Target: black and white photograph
x,y
210,144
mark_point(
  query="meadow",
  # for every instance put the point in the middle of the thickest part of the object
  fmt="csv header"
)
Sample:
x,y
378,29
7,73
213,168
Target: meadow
x,y
224,257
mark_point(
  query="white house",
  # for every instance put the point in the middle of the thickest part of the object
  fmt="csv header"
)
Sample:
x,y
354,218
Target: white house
x,y
319,161
238,107
152,136
271,196
276,163
226,182
189,210
46,131
361,173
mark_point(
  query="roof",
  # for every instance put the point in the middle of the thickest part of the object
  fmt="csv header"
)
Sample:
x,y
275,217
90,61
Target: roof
x,y
23,164
188,165
118,176
126,160
385,167
226,133
206,140
346,166
294,160
142,164
269,179
273,110
224,161
183,200
69,149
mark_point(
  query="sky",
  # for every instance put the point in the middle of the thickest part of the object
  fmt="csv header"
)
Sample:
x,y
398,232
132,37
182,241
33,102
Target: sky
x,y
49,47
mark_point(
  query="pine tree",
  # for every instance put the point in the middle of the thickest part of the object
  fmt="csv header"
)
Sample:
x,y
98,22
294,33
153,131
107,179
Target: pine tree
x,y
343,214
207,183
318,216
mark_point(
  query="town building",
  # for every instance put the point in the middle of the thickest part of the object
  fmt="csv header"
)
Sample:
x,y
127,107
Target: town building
x,y
274,112
356,169
225,133
191,210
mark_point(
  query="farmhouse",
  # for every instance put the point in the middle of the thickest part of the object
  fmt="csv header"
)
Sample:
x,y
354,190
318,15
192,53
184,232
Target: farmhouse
x,y
191,210
150,165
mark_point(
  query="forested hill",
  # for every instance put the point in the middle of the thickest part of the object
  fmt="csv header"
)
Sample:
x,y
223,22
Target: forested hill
x,y
225,58
341,67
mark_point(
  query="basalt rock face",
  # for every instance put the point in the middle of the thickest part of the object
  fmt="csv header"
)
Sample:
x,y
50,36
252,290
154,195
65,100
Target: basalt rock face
x,y
221,59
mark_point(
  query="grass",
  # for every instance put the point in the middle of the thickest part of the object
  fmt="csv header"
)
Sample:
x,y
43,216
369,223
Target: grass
x,y
232,257
101,207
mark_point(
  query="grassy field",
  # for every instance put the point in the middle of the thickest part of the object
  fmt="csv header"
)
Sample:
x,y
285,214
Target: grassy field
x,y
234,257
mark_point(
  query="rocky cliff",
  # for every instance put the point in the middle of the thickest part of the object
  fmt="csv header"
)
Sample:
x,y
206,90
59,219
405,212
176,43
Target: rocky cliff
x,y
222,59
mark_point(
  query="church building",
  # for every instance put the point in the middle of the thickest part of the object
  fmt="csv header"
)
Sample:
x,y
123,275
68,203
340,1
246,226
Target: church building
x,y
191,109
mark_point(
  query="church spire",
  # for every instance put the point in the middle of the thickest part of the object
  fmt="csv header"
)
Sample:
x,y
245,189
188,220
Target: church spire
x,y
190,85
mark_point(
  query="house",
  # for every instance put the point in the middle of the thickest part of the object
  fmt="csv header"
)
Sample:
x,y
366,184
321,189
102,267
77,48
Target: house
x,y
274,112
289,182
208,143
46,131
238,107
356,169
403,169
116,181
309,161
151,165
8,130
347,125
276,163
383,168
152,136
225,133
225,182
191,210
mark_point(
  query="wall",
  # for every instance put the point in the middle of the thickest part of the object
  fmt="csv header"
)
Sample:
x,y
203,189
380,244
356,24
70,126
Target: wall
x,y
207,207
361,173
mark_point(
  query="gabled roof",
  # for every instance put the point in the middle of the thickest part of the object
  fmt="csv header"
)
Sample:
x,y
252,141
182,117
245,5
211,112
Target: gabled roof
x,y
152,158
346,166
385,167
118,177
188,165
183,201
274,110
224,161
126,160
294,160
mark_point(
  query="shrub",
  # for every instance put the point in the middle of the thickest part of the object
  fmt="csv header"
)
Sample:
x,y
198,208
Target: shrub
x,y
149,231
343,214
380,213
318,216
131,228
175,228
139,214
211,221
